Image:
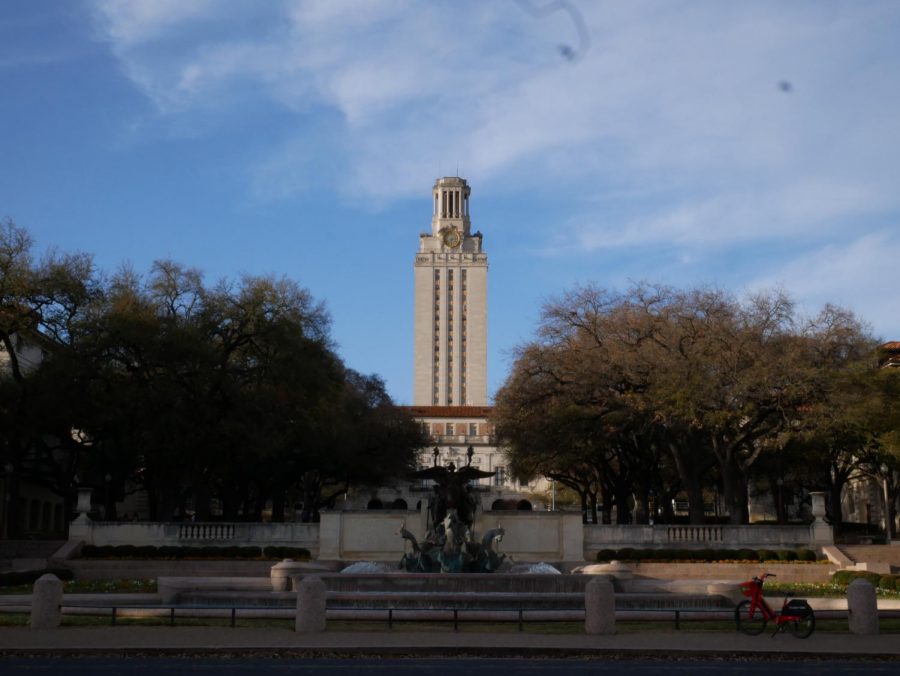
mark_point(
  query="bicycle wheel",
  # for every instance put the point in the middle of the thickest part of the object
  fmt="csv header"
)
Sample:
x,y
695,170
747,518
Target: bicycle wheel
x,y
751,625
805,627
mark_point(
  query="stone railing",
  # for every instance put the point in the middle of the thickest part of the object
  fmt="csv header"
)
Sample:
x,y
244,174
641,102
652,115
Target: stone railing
x,y
206,531
597,537
197,534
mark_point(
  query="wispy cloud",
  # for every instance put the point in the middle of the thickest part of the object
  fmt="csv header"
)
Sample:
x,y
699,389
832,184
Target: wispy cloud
x,y
672,130
859,274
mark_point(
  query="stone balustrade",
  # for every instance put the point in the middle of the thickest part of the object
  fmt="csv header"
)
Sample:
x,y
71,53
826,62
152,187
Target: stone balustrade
x,y
530,536
597,537
197,534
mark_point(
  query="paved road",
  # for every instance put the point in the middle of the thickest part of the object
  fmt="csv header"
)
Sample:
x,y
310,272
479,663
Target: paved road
x,y
435,667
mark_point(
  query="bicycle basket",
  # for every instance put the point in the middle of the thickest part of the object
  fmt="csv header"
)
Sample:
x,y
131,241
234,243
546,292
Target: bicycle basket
x,y
797,608
747,587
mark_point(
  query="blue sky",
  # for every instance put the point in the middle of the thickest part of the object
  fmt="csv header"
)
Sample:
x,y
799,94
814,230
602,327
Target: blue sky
x,y
747,145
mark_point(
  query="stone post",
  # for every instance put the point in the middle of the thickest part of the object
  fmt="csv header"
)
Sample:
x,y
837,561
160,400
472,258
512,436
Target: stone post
x,y
330,523
310,605
820,532
280,574
599,607
46,597
862,607
83,505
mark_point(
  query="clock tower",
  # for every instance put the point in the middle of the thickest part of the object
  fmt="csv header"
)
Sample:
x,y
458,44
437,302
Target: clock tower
x,y
450,327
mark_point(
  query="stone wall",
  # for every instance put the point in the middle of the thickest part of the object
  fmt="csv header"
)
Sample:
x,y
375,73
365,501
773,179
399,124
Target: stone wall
x,y
597,537
375,535
196,534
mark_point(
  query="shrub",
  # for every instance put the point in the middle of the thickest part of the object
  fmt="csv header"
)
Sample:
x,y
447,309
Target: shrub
x,y
888,582
787,555
272,552
606,555
806,555
19,577
874,578
843,577
767,555
747,555
627,554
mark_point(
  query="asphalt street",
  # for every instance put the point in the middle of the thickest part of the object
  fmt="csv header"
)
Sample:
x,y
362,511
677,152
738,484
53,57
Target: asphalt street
x,y
139,666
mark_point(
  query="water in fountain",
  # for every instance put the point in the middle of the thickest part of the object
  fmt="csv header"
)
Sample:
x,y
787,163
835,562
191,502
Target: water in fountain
x,y
533,569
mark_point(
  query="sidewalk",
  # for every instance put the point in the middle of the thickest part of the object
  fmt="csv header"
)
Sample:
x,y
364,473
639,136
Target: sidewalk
x,y
204,640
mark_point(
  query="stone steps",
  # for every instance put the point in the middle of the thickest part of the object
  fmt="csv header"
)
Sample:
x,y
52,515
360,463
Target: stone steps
x,y
874,557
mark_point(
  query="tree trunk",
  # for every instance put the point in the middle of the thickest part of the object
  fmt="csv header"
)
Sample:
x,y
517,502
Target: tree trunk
x,y
278,500
834,503
593,504
641,505
13,507
690,480
623,510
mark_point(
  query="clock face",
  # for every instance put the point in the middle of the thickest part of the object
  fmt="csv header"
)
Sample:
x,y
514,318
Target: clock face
x,y
452,238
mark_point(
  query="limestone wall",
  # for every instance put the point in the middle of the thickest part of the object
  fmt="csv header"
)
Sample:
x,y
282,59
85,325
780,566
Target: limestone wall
x,y
374,535
197,534
597,537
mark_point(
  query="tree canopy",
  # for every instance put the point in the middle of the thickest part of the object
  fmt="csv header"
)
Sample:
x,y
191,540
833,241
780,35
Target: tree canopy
x,y
231,393
631,398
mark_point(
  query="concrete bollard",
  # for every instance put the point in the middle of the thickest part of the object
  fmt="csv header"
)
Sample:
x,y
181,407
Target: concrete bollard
x,y
863,607
310,605
599,607
280,574
46,597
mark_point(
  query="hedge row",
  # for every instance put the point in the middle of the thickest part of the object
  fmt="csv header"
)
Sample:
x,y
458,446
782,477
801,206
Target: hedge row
x,y
707,555
19,577
174,552
886,582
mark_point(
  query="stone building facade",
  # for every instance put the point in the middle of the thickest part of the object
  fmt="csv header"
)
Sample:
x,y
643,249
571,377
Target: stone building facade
x,y
450,316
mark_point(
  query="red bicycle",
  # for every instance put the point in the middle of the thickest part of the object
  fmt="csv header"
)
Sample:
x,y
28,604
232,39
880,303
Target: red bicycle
x,y
751,615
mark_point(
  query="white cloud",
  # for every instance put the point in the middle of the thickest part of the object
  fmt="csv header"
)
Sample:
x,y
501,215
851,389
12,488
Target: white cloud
x,y
859,274
677,102
132,22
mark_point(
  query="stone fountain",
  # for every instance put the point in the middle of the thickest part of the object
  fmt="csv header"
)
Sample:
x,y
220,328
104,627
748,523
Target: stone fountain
x,y
451,544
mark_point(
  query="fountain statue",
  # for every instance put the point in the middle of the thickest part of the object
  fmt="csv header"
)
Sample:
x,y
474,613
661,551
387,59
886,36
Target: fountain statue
x,y
450,545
